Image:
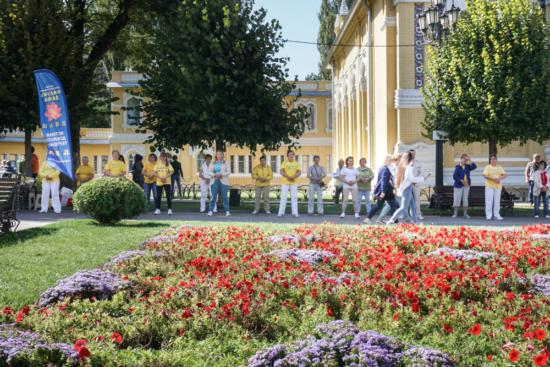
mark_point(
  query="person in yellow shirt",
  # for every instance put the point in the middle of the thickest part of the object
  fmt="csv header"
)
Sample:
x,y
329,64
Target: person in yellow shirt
x,y
263,175
493,175
163,170
115,168
150,183
50,185
290,170
85,172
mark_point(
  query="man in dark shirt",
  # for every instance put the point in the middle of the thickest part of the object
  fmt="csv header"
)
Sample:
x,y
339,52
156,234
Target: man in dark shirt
x,y
177,176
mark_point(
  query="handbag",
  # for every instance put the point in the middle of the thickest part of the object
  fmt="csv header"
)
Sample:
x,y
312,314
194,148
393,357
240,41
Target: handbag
x,y
321,184
389,195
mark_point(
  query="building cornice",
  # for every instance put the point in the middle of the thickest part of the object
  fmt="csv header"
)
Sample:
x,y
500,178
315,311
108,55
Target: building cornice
x,y
388,22
408,98
129,138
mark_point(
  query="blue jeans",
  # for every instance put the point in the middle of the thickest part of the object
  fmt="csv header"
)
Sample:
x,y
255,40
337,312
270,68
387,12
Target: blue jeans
x,y
148,187
380,204
531,185
407,201
218,186
386,209
366,195
541,199
173,179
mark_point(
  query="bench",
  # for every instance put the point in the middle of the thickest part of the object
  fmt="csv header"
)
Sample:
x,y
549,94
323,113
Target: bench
x,y
9,203
444,196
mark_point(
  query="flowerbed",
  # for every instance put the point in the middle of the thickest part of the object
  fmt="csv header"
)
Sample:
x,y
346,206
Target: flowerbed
x,y
469,297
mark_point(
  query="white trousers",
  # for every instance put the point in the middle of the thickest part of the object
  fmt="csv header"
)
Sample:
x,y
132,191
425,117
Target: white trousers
x,y
206,187
416,194
293,198
53,188
492,202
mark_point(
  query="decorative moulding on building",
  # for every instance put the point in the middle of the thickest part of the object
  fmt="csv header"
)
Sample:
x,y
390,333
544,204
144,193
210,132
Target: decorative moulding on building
x,y
132,77
98,134
408,98
328,86
129,138
127,149
194,151
387,22
311,86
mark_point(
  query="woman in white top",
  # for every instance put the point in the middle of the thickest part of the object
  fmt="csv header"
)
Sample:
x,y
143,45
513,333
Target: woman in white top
x,y
205,182
349,176
404,183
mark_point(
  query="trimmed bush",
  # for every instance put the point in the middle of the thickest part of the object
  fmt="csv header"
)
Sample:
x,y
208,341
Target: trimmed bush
x,y
110,199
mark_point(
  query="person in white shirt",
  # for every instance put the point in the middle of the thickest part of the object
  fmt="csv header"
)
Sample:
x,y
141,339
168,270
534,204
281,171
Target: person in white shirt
x,y
337,183
418,172
205,183
405,179
349,176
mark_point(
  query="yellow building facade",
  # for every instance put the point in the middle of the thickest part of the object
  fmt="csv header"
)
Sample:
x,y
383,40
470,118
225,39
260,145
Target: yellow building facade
x,y
377,67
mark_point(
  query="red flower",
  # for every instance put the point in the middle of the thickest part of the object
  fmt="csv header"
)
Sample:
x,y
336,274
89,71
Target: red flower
x,y
80,343
455,295
247,337
25,310
131,309
490,358
186,314
83,352
19,317
54,111
514,354
475,330
540,360
329,312
395,317
539,334
314,292
447,328
99,338
117,338
181,332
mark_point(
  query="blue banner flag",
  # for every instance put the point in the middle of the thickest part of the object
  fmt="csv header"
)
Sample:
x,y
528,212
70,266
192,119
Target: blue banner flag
x,y
54,121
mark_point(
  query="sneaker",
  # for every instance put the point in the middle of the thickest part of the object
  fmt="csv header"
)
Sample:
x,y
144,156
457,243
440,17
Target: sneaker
x,y
356,215
202,211
322,214
499,218
157,212
390,223
169,211
209,214
380,221
367,221
454,216
467,216
59,212
227,214
279,215
489,218
268,212
536,217
255,212
420,217
343,215
296,216
309,213
215,210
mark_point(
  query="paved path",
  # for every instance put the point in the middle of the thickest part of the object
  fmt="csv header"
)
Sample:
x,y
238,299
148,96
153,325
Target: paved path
x,y
31,219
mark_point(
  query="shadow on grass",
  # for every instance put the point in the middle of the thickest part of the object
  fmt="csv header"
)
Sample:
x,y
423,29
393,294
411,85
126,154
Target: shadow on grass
x,y
13,238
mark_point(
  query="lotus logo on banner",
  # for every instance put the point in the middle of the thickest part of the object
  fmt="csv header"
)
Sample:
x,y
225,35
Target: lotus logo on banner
x,y
54,120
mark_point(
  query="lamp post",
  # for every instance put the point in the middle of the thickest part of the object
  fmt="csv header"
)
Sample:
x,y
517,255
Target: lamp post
x,y
435,24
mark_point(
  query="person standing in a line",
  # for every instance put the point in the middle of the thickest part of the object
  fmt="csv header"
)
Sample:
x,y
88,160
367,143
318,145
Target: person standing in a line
x,y
349,176
337,182
219,171
136,170
263,175
205,183
364,185
540,189
50,185
396,159
462,184
162,171
529,172
290,170
150,181
383,191
316,173
177,176
493,175
84,173
115,167
418,172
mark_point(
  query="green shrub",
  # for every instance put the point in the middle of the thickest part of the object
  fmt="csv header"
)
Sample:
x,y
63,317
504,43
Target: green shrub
x,y
110,199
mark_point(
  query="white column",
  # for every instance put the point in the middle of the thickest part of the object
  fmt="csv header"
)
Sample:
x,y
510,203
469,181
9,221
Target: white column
x,y
235,164
246,165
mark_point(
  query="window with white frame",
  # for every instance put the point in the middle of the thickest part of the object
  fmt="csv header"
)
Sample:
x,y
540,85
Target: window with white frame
x,y
200,161
311,119
305,163
273,163
241,164
133,115
100,161
249,170
329,120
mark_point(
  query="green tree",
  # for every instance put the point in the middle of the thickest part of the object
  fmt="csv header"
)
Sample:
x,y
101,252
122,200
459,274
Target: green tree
x,y
325,37
217,80
490,81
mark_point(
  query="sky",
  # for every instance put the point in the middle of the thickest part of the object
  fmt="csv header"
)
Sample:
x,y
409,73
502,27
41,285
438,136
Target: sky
x,y
298,18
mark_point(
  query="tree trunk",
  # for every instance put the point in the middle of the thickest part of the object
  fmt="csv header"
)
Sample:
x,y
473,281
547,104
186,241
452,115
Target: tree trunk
x,y
28,154
493,148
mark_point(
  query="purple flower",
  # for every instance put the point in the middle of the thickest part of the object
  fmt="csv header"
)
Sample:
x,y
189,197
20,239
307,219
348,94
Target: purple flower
x,y
290,238
310,256
464,254
540,284
129,255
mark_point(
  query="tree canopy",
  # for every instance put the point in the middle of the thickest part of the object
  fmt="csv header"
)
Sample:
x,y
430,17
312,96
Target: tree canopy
x,y
490,80
216,80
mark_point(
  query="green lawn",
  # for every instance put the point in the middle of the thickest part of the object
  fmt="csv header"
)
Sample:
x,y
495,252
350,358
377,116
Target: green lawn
x,y
33,260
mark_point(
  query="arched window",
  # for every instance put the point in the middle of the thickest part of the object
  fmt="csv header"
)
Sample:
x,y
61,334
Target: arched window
x,y
311,119
134,116
131,161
